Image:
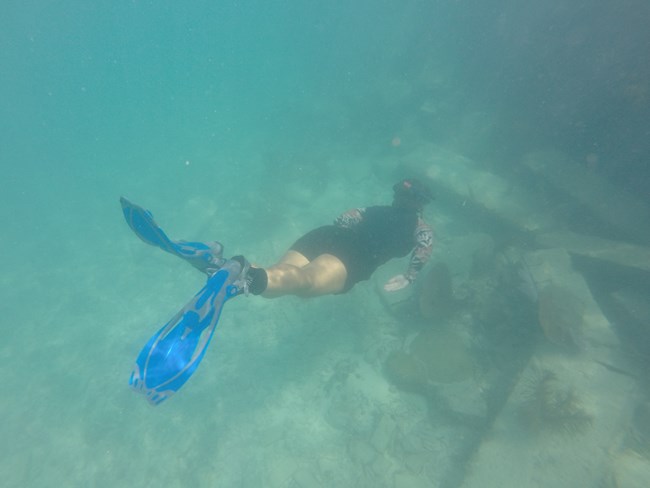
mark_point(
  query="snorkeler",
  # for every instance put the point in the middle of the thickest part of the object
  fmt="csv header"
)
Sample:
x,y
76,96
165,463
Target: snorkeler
x,y
328,260
333,258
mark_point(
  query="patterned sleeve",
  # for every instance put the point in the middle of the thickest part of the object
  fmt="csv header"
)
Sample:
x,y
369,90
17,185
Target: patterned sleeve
x,y
422,251
350,218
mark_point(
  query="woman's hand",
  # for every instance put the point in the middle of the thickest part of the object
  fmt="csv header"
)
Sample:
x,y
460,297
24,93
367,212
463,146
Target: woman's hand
x,y
397,283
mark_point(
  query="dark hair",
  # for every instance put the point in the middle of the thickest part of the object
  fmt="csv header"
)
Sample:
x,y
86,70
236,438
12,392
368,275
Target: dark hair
x,y
412,192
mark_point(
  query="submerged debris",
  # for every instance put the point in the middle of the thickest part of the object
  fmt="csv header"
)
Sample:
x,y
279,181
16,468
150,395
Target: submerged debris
x,y
639,436
548,405
433,356
560,315
435,297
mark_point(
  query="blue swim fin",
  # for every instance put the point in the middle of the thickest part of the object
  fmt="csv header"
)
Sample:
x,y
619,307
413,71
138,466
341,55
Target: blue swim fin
x,y
172,355
206,257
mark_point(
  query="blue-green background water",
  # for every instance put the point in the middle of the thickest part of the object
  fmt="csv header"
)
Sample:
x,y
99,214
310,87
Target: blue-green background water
x,y
252,122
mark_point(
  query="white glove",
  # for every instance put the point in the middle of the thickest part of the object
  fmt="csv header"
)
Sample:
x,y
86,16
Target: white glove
x,y
397,283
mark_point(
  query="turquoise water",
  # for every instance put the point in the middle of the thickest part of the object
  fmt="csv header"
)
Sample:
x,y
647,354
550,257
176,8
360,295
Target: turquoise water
x,y
252,122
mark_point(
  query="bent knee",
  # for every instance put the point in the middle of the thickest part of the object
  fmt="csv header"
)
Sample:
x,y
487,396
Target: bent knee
x,y
325,281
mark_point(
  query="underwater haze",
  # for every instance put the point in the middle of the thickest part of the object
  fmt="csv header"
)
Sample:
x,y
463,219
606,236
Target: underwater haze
x,y
518,358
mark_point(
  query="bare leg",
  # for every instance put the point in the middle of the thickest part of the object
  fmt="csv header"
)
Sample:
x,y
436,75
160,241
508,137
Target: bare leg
x,y
294,274
294,258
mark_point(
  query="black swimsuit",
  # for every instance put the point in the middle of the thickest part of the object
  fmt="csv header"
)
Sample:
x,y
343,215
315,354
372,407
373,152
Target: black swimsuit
x,y
383,233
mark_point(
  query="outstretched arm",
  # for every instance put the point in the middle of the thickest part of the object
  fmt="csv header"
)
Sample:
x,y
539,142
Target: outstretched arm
x,y
423,248
419,257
